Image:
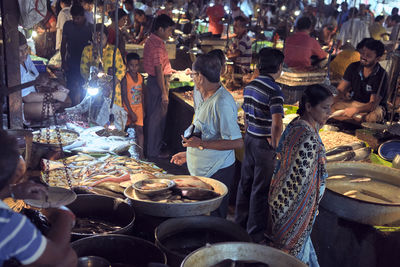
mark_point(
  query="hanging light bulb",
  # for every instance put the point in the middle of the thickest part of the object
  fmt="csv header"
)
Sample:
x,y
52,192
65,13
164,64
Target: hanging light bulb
x,y
34,34
283,8
297,12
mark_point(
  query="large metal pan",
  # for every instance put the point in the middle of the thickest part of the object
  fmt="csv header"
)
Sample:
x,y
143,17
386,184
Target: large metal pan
x,y
178,237
213,254
358,210
179,209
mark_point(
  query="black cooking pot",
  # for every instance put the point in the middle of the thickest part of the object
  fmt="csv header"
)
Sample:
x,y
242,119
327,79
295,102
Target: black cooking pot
x,y
106,209
120,250
179,237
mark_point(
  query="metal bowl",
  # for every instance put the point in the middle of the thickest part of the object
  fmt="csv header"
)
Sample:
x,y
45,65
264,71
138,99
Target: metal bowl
x,y
93,261
178,209
138,186
240,251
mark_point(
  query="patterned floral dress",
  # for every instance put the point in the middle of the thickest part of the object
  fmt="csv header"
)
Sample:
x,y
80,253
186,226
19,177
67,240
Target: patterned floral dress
x,y
88,60
296,189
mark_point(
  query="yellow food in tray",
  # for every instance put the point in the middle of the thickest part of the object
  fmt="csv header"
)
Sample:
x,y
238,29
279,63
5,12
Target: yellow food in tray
x,y
67,137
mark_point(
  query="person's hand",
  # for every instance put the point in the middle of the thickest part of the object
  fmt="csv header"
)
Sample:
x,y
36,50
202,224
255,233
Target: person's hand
x,y
64,66
60,95
28,190
191,142
350,112
188,71
133,117
61,213
164,99
179,158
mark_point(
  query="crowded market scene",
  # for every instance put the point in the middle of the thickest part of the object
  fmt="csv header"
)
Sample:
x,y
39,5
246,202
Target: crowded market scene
x,y
200,133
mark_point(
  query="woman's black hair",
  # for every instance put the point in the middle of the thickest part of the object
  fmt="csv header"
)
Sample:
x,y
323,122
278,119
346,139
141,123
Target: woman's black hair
x,y
314,94
209,66
9,157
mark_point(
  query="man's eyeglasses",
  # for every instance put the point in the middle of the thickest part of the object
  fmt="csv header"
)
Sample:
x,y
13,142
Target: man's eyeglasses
x,y
193,74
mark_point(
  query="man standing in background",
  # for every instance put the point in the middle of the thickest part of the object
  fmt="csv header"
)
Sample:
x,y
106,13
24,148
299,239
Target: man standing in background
x,y
263,107
156,64
75,36
63,16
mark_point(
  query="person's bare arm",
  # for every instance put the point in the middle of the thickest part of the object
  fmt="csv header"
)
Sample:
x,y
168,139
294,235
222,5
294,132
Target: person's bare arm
x,y
63,50
363,108
276,129
161,83
343,88
221,144
125,100
58,251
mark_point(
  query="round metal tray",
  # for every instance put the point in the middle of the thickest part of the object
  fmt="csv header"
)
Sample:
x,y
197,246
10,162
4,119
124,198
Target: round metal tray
x,y
56,197
35,133
138,186
179,209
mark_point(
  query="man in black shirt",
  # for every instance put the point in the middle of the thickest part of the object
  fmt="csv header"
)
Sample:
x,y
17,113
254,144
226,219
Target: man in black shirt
x,y
76,35
362,92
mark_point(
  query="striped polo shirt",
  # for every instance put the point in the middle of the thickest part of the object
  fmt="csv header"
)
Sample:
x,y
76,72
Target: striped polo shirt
x,y
19,238
262,98
244,46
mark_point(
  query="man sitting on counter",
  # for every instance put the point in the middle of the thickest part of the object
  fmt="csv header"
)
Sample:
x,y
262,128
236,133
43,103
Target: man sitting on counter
x,y
362,92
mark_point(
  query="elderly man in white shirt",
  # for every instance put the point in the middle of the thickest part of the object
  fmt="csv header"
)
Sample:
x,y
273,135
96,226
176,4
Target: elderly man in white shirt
x,y
33,100
353,30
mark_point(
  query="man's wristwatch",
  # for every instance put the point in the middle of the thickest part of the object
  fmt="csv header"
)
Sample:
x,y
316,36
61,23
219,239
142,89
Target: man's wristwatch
x,y
201,147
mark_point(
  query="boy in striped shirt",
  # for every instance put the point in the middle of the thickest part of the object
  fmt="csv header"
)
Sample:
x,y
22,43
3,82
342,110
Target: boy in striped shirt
x,y
263,107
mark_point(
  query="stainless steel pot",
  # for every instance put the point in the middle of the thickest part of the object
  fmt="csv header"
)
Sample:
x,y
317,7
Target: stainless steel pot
x,y
180,236
111,209
120,249
362,211
213,254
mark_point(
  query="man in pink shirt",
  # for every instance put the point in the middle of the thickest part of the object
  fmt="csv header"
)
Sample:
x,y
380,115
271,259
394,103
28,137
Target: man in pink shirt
x,y
300,47
157,65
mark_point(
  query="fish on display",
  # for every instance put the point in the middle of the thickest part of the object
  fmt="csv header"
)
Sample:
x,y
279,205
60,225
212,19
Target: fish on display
x,y
355,155
94,226
197,193
96,191
341,149
364,188
115,187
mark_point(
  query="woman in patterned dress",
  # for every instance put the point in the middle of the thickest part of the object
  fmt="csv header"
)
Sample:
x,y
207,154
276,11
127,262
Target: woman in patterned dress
x,y
298,183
